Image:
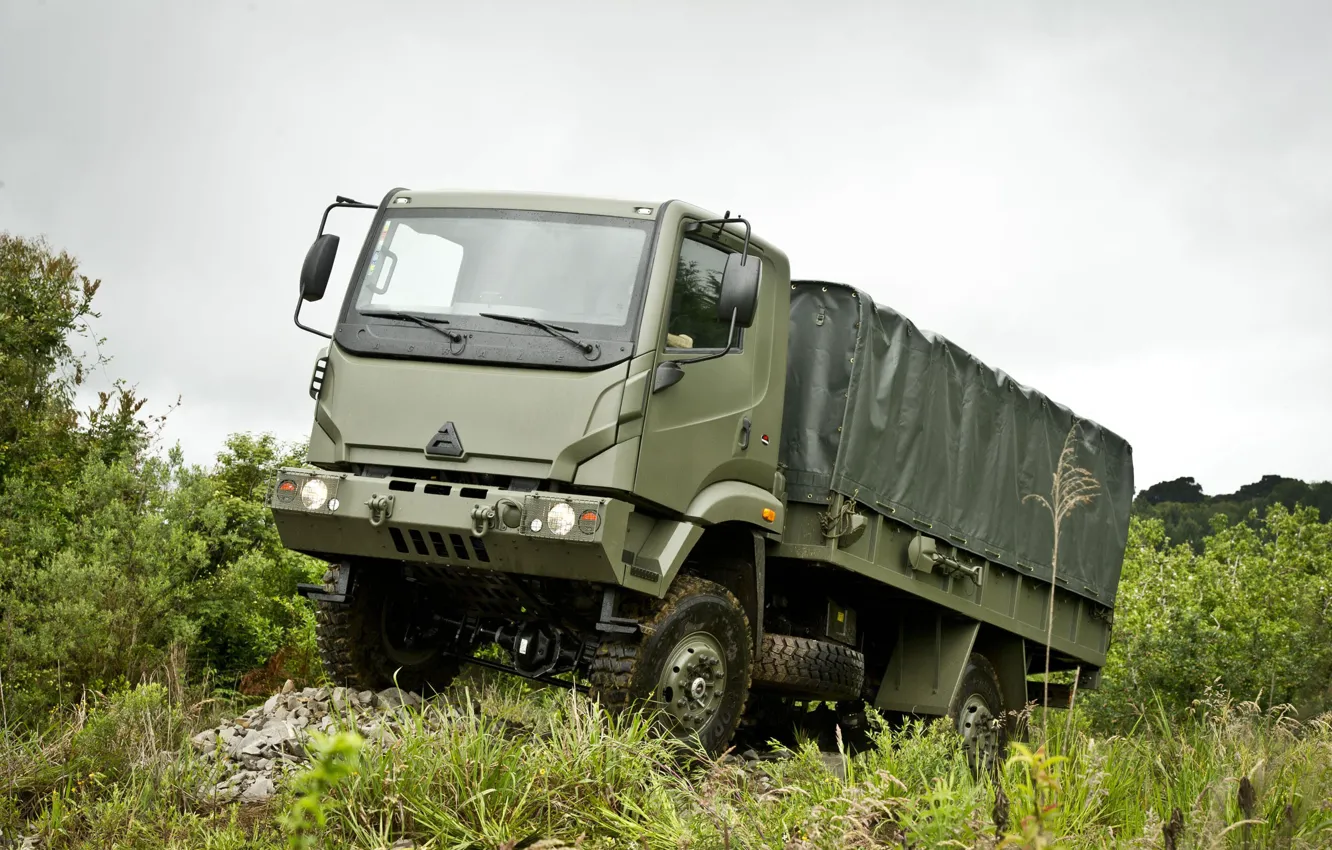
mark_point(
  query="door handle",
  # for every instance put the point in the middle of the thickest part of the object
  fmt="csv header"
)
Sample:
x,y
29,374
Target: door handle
x,y
744,433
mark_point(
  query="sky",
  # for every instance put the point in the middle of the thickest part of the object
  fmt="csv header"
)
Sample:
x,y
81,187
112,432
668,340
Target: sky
x,y
1127,206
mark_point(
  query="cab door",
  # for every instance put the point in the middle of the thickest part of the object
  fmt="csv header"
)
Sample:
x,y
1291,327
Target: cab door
x,y
703,428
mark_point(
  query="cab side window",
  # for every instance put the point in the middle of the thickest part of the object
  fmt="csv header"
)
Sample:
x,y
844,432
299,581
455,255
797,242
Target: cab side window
x,y
693,321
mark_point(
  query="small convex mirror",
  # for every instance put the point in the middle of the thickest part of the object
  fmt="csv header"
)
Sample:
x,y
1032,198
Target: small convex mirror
x,y
318,266
739,290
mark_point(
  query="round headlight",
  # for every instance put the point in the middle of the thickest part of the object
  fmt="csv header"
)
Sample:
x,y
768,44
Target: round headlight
x,y
313,494
560,519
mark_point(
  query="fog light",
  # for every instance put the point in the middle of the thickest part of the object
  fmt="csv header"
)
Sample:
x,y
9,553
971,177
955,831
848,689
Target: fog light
x,y
560,519
314,494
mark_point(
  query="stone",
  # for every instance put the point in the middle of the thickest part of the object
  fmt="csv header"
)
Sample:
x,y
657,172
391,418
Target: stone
x,y
260,790
204,741
835,763
271,705
288,687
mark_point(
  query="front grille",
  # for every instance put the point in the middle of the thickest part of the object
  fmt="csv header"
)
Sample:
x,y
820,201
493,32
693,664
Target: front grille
x,y
455,548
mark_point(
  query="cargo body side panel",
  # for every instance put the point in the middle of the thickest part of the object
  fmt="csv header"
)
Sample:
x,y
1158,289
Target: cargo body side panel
x,y
917,430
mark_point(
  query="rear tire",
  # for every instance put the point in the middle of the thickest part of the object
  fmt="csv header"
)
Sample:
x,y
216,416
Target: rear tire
x,y
977,712
366,643
691,663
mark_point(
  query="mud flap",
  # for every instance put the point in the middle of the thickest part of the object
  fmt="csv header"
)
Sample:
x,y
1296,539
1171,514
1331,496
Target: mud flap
x,y
319,592
927,663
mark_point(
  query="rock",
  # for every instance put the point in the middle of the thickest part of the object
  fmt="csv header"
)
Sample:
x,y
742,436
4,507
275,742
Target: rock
x,y
204,741
365,697
835,763
271,705
260,790
224,792
288,687
293,703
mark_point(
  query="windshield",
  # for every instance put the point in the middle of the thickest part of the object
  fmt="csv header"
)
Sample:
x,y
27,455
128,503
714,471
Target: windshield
x,y
576,271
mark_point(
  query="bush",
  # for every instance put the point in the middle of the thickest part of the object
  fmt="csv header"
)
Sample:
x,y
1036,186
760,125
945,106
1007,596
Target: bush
x,y
1251,614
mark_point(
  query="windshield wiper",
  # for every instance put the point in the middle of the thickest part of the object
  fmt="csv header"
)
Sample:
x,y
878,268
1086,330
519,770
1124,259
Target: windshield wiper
x,y
423,321
588,348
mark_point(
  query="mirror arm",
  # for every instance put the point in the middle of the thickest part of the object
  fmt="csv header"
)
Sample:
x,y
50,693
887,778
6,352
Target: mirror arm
x,y
730,346
341,202
721,225
296,317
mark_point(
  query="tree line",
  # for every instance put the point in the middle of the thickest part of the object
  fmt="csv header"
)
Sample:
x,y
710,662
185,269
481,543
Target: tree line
x,y
119,563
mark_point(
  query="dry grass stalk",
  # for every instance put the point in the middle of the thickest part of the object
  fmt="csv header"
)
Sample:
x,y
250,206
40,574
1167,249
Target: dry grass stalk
x,y
1071,486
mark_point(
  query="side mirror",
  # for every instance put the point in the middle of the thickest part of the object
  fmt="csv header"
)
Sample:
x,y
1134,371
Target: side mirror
x,y
739,290
318,266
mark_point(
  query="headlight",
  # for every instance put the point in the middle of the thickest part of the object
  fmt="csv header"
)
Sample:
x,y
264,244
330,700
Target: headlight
x,y
560,519
314,494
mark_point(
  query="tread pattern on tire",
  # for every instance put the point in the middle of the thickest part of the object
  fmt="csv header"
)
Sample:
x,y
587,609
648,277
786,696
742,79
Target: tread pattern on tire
x,y
815,669
349,645
612,672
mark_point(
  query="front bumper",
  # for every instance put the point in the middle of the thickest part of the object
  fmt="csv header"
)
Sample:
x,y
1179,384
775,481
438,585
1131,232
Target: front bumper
x,y
450,525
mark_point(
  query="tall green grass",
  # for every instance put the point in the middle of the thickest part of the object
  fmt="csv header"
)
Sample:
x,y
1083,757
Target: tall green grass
x,y
498,764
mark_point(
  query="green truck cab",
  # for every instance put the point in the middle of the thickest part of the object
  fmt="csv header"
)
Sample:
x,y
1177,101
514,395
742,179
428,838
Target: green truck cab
x,y
614,438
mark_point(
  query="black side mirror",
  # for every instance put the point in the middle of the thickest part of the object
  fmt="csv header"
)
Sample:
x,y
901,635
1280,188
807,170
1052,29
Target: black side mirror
x,y
318,266
739,290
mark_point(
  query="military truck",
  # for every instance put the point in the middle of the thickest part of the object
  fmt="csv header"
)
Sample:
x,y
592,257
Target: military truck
x,y
614,438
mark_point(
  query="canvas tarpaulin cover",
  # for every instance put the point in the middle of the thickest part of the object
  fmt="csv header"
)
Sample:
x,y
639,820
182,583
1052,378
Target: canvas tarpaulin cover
x,y
916,428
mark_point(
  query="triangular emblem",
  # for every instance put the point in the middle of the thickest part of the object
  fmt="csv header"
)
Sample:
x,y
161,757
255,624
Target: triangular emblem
x,y
445,443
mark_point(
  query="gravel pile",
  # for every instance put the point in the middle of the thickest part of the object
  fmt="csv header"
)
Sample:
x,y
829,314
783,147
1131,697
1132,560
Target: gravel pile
x,y
261,746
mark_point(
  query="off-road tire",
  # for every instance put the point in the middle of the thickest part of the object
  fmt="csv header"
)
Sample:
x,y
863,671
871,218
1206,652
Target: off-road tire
x,y
810,669
625,671
351,643
979,694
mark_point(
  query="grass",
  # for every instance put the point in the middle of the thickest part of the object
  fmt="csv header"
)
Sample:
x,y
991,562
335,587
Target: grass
x,y
539,764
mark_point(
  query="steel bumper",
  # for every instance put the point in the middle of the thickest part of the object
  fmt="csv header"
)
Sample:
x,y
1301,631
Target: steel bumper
x,y
336,515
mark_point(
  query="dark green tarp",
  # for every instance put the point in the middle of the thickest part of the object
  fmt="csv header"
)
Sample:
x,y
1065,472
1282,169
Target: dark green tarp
x,y
918,429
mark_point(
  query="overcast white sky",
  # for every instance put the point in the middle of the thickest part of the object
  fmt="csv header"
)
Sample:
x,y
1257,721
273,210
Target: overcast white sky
x,y
1126,205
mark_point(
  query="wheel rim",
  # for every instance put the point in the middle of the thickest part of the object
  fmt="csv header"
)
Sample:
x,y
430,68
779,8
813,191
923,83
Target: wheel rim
x,y
693,681
980,734
406,638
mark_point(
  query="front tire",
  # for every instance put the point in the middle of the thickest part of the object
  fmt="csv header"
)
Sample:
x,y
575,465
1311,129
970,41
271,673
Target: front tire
x,y
379,638
692,663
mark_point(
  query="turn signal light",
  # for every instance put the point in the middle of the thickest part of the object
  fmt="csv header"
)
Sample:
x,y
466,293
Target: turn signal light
x,y
769,515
